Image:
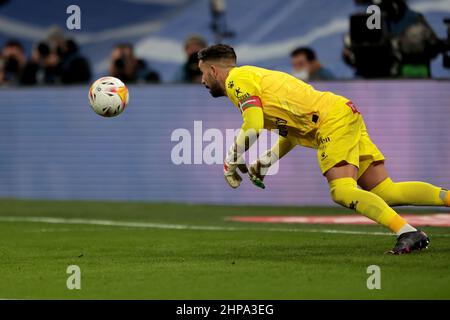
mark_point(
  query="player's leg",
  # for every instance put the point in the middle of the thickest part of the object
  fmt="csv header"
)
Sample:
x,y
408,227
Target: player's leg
x,y
344,191
376,179
345,152
343,143
339,140
372,174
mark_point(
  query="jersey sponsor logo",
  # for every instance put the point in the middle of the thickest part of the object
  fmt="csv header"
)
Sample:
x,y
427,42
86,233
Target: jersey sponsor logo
x,y
323,140
282,127
240,95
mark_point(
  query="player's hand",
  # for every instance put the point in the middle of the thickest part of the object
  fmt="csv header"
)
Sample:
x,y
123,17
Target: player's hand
x,y
255,170
259,168
231,175
257,173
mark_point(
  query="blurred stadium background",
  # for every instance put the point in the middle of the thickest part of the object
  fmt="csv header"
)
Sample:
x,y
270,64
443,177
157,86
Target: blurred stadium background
x,y
54,147
264,31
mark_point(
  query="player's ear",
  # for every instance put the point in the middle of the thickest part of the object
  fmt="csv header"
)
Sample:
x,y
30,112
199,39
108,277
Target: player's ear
x,y
215,71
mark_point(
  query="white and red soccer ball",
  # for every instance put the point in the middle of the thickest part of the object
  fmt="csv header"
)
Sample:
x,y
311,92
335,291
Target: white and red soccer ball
x,y
108,96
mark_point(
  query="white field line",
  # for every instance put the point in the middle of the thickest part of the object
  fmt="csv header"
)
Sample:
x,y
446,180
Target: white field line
x,y
150,225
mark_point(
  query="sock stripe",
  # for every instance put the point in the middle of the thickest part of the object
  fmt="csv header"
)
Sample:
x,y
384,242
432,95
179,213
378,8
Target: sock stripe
x,y
397,223
444,194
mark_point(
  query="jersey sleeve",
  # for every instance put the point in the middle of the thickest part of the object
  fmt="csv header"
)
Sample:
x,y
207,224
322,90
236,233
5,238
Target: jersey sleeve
x,y
242,87
244,92
253,123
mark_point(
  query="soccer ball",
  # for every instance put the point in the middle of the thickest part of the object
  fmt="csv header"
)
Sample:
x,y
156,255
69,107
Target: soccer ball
x,y
108,96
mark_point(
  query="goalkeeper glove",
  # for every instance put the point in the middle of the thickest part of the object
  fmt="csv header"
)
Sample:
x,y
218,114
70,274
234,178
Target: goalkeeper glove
x,y
259,168
231,175
232,162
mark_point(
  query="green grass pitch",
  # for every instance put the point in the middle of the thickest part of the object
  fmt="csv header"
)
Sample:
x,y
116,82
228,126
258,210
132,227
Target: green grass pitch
x,y
160,255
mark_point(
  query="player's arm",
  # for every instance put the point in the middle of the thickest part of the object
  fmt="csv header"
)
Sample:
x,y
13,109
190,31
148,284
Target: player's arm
x,y
253,123
260,167
244,91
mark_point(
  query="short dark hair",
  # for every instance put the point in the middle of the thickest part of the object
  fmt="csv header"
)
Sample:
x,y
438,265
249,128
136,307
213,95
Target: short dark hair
x,y
217,52
13,43
308,52
124,45
43,49
199,40
72,46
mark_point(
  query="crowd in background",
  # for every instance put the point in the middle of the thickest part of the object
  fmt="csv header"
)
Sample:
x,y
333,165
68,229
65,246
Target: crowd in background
x,y
126,66
54,60
57,59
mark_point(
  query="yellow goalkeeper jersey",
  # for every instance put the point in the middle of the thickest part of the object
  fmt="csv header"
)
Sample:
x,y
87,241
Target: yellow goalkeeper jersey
x,y
290,105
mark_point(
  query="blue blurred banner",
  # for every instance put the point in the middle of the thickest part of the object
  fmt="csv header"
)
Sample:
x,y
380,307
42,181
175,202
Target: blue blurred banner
x,y
54,146
266,31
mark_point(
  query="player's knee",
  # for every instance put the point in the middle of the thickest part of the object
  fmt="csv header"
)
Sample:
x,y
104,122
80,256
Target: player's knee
x,y
340,195
337,195
339,190
387,191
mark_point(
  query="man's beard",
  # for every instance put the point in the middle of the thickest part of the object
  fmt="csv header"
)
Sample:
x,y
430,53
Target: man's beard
x,y
215,90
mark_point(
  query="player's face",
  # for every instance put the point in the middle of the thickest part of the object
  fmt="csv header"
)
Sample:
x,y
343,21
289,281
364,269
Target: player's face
x,y
300,63
209,79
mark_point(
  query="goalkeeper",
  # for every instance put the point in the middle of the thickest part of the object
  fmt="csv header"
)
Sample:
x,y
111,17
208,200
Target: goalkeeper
x,y
322,120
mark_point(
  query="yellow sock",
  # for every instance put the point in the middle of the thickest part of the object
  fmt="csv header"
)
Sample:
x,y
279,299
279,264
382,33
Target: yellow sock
x,y
411,193
345,192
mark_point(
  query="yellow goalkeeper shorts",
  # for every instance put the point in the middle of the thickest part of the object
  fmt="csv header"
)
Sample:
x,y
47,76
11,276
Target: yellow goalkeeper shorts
x,y
342,136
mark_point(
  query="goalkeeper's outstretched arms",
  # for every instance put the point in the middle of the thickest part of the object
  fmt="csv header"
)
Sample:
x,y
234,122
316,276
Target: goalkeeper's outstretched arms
x,y
253,123
260,166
